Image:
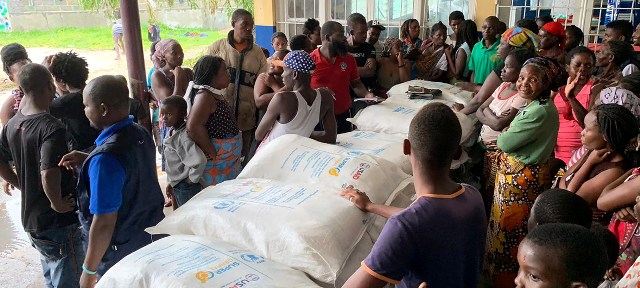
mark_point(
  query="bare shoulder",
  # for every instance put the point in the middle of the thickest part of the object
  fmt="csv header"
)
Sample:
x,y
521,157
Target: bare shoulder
x,y
259,83
282,101
159,79
283,96
156,74
261,76
204,98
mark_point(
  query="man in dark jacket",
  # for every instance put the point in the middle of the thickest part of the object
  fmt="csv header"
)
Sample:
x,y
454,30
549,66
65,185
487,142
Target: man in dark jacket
x,y
118,191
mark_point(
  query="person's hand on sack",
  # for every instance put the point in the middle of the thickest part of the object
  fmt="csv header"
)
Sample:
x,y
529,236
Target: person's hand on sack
x,y
357,197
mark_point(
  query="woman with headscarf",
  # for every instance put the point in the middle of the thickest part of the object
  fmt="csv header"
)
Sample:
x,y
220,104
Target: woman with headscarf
x,y
516,37
169,78
552,41
496,114
523,169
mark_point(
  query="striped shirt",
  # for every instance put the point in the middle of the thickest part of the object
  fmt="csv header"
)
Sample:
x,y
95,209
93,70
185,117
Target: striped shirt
x,y
117,27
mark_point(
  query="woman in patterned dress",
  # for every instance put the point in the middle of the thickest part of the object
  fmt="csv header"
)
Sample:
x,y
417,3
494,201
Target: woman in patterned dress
x,y
211,123
523,170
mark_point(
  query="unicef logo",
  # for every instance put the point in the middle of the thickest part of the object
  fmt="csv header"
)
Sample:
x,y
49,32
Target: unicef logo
x,y
252,258
224,204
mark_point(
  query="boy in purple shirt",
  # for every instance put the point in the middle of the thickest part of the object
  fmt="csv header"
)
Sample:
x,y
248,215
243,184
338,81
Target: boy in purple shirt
x,y
440,238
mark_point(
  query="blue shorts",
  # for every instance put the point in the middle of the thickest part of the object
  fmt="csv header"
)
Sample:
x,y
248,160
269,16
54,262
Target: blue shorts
x,y
184,191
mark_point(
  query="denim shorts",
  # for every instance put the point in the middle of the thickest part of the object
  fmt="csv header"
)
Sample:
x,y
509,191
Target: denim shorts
x,y
184,191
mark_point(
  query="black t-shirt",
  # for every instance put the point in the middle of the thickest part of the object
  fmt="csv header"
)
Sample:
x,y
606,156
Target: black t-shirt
x,y
36,143
137,110
362,53
70,110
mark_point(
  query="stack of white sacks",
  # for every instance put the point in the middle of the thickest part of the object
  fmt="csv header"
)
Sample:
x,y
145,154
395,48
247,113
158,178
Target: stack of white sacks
x,y
282,223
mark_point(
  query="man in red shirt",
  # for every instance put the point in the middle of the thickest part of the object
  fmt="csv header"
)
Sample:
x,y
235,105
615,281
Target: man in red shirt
x,y
337,70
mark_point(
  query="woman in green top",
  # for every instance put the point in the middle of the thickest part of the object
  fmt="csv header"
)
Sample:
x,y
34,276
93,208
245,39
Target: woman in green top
x,y
523,169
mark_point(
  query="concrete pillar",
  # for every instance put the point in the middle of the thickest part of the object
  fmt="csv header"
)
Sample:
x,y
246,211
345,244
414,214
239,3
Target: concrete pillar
x,y
264,17
484,9
135,55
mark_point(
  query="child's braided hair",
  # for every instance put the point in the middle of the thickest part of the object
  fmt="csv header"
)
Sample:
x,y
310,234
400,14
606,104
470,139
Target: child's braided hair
x,y
618,125
205,69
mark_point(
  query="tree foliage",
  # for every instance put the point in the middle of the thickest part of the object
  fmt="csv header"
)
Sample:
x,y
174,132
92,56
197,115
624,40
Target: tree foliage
x,y
227,5
110,7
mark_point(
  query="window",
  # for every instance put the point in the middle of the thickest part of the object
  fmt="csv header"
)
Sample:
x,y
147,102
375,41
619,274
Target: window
x,y
391,13
602,12
439,10
589,15
567,12
292,16
341,9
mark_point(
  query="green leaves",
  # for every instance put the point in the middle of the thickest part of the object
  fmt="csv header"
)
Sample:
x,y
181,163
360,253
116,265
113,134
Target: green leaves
x,y
110,7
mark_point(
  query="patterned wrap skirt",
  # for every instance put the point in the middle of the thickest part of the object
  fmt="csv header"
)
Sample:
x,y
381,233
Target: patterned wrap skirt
x,y
517,186
489,171
628,235
226,164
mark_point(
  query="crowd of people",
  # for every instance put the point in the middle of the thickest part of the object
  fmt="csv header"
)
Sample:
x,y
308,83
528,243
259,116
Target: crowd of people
x,y
557,200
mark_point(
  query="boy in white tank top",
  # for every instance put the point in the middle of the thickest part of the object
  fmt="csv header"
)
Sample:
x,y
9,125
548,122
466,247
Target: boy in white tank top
x,y
300,110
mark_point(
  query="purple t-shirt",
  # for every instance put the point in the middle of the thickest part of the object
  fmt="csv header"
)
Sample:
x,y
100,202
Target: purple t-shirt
x,y
438,240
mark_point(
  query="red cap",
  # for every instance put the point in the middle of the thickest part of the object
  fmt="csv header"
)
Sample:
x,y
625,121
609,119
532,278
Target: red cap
x,y
556,29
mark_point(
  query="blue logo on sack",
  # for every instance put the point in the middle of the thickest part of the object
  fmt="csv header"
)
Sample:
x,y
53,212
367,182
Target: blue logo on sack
x,y
224,204
252,258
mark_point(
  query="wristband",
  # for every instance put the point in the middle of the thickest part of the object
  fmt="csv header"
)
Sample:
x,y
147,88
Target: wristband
x,y
85,270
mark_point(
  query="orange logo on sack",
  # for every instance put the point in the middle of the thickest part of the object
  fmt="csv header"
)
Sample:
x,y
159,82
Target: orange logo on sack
x,y
204,276
335,171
